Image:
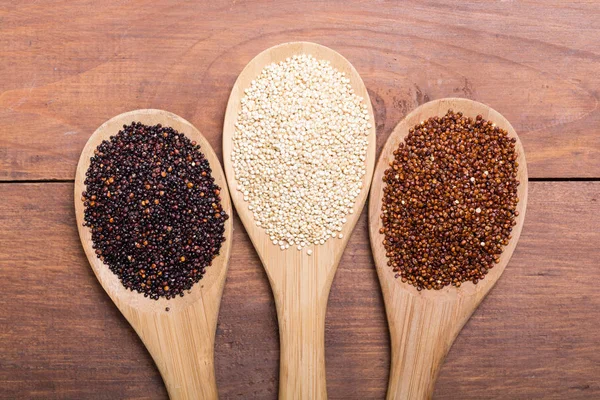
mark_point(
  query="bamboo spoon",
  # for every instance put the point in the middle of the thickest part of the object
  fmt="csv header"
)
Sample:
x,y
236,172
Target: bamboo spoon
x,y
423,325
180,340
300,282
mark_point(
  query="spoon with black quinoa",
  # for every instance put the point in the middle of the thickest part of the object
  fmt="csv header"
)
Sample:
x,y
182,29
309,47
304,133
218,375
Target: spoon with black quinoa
x,y
153,212
446,210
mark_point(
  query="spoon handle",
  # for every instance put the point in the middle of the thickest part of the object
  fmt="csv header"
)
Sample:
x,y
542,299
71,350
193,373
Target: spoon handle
x,y
422,331
301,307
181,344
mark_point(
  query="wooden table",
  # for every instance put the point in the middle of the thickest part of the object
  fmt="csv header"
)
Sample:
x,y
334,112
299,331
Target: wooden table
x,y
67,66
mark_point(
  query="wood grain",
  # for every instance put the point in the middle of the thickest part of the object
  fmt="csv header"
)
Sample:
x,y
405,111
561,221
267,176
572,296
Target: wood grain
x,y
423,325
179,333
65,67
534,336
300,282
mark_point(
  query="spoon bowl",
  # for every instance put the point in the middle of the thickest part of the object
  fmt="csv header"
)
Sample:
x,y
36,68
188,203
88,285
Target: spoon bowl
x,y
179,333
300,282
423,324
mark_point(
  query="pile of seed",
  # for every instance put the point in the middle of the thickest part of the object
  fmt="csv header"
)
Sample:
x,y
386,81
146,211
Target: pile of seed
x,y
299,150
154,209
449,202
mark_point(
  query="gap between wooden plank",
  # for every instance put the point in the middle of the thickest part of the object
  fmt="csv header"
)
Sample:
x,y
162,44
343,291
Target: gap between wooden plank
x,y
564,179
530,180
16,181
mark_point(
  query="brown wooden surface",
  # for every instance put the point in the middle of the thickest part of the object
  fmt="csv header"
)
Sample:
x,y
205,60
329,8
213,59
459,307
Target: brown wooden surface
x,y
67,66
534,336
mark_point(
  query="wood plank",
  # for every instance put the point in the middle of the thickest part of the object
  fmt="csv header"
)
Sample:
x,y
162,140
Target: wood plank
x,y
534,336
66,68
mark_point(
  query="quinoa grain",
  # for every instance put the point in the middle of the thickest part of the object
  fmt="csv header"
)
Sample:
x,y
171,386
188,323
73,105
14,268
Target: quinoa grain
x,y
158,247
449,201
299,150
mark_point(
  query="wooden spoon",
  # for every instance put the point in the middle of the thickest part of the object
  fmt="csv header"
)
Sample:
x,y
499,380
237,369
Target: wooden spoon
x,y
423,325
181,340
300,282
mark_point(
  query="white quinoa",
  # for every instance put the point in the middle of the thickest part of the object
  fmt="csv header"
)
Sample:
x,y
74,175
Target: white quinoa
x,y
299,150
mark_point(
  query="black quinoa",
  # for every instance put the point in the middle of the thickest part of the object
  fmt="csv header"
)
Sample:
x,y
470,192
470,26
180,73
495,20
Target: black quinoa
x,y
449,203
154,209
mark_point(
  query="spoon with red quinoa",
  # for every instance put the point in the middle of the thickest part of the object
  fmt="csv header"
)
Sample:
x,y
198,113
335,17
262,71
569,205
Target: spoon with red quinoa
x,y
446,210
153,212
